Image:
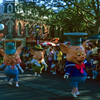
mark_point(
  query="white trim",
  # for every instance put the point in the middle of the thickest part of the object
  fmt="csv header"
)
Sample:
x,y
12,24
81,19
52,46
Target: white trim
x,y
10,21
69,65
8,8
6,16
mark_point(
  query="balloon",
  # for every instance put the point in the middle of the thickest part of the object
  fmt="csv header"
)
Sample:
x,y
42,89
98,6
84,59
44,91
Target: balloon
x,y
1,26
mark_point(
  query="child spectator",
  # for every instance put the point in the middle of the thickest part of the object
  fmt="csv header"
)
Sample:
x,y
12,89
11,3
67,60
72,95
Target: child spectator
x,y
61,66
53,68
28,64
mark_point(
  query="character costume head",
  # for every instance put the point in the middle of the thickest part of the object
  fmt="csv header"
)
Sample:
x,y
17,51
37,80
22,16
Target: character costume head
x,y
38,52
76,52
11,55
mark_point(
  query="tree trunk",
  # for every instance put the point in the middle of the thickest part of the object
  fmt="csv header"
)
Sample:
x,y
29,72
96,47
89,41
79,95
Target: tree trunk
x,y
97,27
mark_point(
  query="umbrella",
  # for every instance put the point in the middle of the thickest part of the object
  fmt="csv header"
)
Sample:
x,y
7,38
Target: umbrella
x,y
94,37
66,43
48,43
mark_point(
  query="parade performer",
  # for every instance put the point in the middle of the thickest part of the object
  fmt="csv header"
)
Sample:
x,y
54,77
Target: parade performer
x,y
11,62
38,62
75,72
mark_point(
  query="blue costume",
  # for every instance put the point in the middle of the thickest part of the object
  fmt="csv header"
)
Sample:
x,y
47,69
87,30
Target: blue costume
x,y
75,76
11,73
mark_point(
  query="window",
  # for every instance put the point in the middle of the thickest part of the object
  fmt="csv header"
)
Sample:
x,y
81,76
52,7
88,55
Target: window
x,y
10,28
9,8
27,30
19,28
43,29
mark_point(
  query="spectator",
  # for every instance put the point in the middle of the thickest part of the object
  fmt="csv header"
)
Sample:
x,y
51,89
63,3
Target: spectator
x,y
61,66
89,53
96,72
95,52
55,56
53,68
60,54
50,57
28,64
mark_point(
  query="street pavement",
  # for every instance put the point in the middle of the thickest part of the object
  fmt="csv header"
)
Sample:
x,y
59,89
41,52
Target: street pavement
x,y
47,87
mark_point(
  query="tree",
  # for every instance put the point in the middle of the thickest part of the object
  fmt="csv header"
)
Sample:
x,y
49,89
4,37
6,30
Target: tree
x,y
74,16
89,11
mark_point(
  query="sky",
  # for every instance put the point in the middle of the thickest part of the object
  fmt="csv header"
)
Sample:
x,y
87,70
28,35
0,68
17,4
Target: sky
x,y
1,1
6,0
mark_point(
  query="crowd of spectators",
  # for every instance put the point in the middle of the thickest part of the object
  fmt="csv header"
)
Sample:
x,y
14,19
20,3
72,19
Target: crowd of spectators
x,y
54,58
93,61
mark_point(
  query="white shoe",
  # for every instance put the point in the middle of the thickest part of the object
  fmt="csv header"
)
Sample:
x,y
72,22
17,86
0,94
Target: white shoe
x,y
78,93
93,77
74,94
88,77
54,73
17,85
35,74
39,75
10,83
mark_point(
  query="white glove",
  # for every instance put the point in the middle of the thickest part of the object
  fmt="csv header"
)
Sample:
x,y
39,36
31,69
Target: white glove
x,y
22,71
95,62
65,76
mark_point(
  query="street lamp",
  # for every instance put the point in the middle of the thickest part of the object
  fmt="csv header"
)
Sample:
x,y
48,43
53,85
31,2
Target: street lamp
x,y
37,33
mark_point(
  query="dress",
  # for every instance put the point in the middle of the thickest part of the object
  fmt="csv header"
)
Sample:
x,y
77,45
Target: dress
x,y
60,54
76,76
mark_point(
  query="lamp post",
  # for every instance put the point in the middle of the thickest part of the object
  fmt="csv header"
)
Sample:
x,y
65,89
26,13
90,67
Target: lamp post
x,y
37,33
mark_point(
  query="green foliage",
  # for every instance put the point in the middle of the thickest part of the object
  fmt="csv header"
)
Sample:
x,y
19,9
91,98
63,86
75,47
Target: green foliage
x,y
75,16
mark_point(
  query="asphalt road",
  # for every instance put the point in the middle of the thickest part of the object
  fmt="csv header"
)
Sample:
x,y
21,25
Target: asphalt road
x,y
47,87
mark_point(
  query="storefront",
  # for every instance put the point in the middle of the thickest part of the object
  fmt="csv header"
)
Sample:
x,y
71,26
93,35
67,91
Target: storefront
x,y
17,42
30,42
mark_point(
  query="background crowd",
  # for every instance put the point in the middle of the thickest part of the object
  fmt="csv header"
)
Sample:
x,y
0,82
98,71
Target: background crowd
x,y
56,60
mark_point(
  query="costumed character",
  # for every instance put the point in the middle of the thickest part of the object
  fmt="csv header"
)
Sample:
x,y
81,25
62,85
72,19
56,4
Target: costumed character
x,y
11,62
38,62
75,67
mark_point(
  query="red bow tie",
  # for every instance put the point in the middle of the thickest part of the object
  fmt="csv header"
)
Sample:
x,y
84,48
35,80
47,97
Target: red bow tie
x,y
80,67
19,61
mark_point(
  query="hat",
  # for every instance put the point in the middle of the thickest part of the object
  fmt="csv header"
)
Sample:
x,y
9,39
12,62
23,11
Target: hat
x,y
75,38
38,48
10,48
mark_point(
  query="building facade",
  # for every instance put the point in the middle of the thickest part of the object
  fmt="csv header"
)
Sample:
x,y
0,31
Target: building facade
x,y
20,32
13,30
